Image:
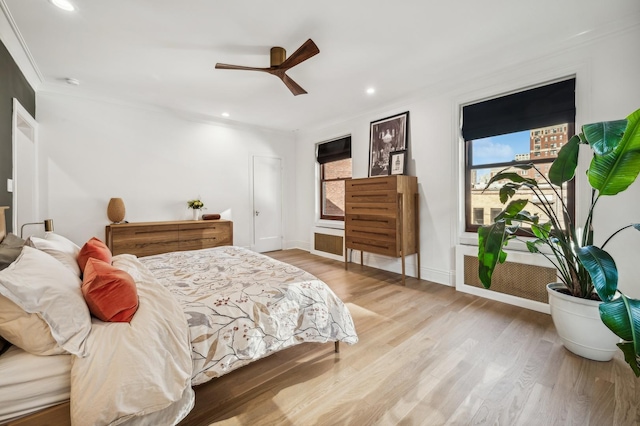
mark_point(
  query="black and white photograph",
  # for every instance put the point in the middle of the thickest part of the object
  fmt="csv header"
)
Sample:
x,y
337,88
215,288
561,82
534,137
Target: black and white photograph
x,y
386,136
398,163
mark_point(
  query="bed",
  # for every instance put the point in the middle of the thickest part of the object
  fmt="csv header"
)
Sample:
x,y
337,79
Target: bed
x,y
200,314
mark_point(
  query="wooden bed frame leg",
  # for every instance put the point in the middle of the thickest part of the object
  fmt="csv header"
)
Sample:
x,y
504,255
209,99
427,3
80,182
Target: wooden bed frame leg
x,y
337,347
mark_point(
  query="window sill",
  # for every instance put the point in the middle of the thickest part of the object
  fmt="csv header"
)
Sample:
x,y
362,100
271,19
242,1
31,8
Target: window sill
x,y
471,239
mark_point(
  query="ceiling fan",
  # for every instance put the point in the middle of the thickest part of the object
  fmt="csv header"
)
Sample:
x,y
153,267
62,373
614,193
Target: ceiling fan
x,y
280,64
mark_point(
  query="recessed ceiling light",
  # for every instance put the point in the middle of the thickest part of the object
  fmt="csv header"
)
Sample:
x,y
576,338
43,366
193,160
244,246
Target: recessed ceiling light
x,y
371,91
225,114
64,5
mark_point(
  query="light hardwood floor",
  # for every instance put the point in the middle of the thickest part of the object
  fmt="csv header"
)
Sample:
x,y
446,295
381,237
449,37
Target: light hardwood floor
x,y
427,355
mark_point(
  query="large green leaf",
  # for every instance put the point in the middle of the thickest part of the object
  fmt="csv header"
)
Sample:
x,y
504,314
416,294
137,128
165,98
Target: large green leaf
x,y
622,316
508,190
602,270
512,176
615,171
605,136
564,167
513,208
630,355
491,239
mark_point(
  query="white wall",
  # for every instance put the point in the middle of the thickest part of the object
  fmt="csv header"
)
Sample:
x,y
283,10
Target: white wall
x,y
93,150
607,88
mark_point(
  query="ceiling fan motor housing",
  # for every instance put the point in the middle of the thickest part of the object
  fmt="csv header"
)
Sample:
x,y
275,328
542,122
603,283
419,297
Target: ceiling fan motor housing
x,y
278,55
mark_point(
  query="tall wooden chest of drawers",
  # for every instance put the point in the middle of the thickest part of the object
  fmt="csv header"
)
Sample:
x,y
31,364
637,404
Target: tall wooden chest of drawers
x,y
148,238
381,216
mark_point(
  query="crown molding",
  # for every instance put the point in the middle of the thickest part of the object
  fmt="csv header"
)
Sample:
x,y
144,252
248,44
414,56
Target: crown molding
x,y
17,47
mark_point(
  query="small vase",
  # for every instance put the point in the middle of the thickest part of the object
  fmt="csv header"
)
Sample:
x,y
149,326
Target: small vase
x,y
196,214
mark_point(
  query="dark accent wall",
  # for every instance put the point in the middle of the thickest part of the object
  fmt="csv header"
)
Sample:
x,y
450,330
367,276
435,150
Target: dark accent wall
x,y
13,84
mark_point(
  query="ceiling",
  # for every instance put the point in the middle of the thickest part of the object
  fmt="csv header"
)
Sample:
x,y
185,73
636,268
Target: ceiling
x,y
163,52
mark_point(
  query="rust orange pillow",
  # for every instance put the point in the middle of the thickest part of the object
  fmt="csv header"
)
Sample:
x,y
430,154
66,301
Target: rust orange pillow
x,y
96,249
110,293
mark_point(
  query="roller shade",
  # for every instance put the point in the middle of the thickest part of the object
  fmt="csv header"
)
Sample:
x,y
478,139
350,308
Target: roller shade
x,y
335,150
530,109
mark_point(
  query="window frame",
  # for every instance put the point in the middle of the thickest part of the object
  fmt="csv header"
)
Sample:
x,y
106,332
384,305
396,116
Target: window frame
x,y
469,226
321,192
331,151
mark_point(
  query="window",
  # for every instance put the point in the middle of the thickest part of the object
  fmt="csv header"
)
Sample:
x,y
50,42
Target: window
x,y
499,132
494,212
478,215
335,167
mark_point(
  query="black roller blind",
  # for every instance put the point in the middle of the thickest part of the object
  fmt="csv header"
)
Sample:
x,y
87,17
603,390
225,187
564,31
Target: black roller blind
x,y
335,150
530,109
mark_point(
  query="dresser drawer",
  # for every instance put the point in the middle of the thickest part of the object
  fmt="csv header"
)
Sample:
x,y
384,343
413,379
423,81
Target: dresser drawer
x,y
371,197
199,237
145,241
370,221
149,238
386,248
383,183
370,233
372,209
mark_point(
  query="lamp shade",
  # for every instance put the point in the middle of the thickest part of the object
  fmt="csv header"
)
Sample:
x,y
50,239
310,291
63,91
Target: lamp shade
x,y
115,210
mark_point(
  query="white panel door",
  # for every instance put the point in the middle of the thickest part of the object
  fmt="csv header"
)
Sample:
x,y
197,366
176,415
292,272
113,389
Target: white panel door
x,y
267,204
25,170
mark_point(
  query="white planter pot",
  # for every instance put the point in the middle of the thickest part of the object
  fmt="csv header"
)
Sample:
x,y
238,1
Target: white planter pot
x,y
579,326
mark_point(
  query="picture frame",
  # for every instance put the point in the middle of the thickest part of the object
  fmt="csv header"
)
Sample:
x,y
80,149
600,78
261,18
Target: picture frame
x,y
398,162
387,135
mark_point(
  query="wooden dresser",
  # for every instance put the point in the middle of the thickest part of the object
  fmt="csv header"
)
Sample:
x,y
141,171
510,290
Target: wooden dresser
x,y
147,238
381,216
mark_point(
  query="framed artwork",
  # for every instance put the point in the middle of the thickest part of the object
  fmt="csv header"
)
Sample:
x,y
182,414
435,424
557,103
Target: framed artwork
x,y
386,136
398,162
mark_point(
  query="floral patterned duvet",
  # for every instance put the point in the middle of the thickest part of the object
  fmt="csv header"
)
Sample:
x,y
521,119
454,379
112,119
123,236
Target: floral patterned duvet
x,y
242,306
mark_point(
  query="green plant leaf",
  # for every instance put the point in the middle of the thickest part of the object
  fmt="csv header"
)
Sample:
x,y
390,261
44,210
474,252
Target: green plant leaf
x,y
605,136
631,357
622,316
615,171
513,208
532,246
602,270
564,166
542,231
491,239
512,176
508,190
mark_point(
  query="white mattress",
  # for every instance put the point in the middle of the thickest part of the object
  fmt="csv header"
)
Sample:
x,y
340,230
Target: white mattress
x,y
29,383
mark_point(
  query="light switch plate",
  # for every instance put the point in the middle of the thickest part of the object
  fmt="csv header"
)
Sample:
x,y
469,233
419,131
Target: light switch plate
x,y
9,185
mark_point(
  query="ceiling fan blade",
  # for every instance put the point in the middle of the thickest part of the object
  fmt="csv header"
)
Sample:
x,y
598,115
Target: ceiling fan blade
x,y
304,52
238,67
292,85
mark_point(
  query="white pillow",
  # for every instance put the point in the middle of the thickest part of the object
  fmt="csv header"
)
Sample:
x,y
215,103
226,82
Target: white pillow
x,y
66,251
41,285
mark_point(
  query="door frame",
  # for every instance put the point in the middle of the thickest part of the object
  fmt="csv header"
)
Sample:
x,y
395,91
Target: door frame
x,y
23,122
252,198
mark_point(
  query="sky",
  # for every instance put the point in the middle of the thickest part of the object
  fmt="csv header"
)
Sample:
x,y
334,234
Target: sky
x,y
498,149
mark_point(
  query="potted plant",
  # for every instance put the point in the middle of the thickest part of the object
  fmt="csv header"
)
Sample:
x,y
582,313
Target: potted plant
x,y
195,205
585,270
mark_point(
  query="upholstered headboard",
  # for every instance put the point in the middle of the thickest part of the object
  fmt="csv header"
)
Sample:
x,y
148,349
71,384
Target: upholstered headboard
x,y
3,227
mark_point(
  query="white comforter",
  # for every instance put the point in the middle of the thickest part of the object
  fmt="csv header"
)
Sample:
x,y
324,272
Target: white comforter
x,y
138,368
